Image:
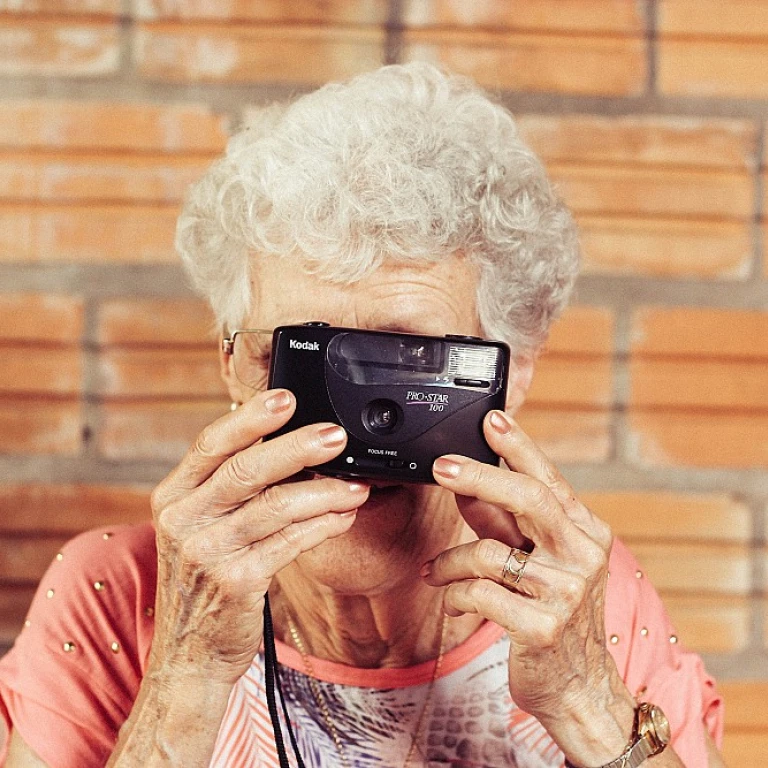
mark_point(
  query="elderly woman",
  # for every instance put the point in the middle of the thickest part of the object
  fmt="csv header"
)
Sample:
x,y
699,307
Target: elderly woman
x,y
458,623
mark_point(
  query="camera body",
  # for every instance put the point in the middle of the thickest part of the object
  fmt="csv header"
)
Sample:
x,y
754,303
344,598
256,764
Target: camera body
x,y
404,399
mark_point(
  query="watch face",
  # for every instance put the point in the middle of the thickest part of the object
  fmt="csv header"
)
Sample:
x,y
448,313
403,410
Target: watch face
x,y
660,725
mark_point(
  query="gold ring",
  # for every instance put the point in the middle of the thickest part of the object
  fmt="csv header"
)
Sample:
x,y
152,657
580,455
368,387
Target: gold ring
x,y
518,556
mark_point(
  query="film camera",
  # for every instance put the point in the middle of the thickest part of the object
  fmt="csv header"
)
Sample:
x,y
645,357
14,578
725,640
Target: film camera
x,y
404,399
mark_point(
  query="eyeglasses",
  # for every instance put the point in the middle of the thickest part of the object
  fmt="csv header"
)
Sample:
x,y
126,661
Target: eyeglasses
x,y
250,349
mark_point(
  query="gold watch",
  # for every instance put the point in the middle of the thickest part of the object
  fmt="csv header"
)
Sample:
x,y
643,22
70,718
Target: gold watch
x,y
650,736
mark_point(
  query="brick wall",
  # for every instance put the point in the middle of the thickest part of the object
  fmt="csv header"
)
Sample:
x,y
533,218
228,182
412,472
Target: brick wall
x,y
653,394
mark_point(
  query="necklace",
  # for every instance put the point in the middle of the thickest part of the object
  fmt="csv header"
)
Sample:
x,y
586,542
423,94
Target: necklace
x,y
317,694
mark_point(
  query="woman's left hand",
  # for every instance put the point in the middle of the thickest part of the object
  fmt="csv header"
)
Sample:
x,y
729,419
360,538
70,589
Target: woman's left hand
x,y
560,669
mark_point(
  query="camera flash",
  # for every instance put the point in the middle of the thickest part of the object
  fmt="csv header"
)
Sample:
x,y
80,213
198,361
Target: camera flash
x,y
473,362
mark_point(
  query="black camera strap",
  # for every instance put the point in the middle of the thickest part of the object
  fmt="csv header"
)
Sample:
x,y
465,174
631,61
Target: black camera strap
x,y
272,679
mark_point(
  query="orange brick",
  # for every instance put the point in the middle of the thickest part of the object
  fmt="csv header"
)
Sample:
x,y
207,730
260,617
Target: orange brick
x,y
746,703
87,125
572,381
698,193
65,7
156,322
40,426
99,177
160,431
572,64
164,373
711,624
665,516
697,568
70,508
694,18
746,749
582,330
40,317
712,68
278,11
14,604
641,140
569,436
701,332
556,15
92,233
25,560
34,47
693,384
699,440
666,248
746,715
250,54
40,370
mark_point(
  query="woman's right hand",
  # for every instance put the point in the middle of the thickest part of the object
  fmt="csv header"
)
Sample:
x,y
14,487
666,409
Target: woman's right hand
x,y
227,522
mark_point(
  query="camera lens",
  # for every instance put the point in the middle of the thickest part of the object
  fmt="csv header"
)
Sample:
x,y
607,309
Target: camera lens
x,y
382,417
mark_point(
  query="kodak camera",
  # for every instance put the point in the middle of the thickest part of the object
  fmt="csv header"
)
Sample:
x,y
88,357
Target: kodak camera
x,y
403,399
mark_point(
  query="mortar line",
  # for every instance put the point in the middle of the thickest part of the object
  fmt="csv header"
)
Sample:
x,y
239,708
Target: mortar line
x,y
393,44
760,191
652,11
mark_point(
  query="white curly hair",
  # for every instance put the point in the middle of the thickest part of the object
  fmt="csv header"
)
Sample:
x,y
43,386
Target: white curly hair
x,y
405,163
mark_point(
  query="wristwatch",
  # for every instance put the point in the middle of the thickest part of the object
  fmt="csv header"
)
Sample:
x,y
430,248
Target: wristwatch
x,y
650,735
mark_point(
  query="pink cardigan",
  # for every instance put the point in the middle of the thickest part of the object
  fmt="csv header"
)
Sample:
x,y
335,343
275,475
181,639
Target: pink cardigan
x,y
71,679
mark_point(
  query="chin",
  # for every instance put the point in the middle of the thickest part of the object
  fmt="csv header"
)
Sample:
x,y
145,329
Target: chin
x,y
387,494
396,530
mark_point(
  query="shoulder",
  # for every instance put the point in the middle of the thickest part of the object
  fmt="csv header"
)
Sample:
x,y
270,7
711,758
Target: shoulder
x,y
106,577
125,550
73,673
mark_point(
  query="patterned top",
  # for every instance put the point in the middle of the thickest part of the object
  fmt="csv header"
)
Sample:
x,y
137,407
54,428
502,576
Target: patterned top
x,y
72,677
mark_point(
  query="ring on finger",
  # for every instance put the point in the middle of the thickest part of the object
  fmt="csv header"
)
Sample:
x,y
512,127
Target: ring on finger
x,y
510,574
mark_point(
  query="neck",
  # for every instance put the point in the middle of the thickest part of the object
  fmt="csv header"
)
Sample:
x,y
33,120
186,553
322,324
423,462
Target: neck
x,y
390,618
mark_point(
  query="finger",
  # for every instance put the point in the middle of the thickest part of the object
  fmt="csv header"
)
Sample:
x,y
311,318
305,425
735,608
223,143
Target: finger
x,y
259,563
538,513
521,454
530,623
482,559
248,472
486,559
259,416
280,506
490,521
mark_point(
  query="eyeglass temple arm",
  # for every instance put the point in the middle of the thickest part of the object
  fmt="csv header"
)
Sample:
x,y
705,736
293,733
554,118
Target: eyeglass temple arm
x,y
228,342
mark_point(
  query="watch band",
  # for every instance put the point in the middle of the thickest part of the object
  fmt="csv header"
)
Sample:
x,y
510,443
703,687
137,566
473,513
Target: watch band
x,y
645,740
633,756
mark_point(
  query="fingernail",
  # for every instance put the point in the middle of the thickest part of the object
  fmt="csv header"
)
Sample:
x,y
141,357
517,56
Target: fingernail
x,y
357,487
500,422
330,437
347,515
278,402
426,569
446,467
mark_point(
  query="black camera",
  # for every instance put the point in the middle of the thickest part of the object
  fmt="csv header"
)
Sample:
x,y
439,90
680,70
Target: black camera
x,y
404,399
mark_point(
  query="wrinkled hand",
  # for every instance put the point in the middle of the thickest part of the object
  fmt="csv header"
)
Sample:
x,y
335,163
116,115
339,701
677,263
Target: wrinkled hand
x,y
227,522
559,665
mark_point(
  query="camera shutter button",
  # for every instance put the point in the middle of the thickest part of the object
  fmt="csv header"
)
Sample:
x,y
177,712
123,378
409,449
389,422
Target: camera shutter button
x,y
316,324
462,337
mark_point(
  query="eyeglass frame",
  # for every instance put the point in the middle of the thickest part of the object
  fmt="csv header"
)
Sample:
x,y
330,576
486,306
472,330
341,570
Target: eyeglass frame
x,y
228,342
